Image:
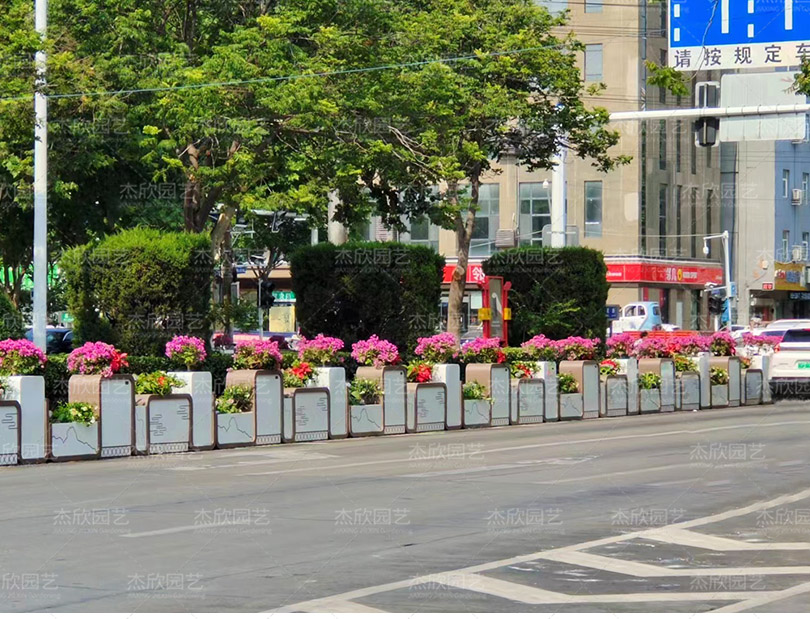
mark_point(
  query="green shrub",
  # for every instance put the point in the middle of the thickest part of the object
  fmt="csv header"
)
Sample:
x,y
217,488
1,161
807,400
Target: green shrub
x,y
356,290
364,391
235,399
139,288
649,380
156,383
566,383
558,293
11,321
474,391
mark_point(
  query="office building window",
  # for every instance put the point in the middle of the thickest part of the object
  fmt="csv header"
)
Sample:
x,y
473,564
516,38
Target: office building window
x,y
693,220
678,137
785,183
535,212
662,92
662,145
805,186
593,6
555,7
663,204
422,232
593,63
678,221
785,245
805,246
593,208
709,206
486,220
664,20
693,153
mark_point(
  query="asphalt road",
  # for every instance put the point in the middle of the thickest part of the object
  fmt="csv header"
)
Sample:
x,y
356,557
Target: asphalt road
x,y
683,512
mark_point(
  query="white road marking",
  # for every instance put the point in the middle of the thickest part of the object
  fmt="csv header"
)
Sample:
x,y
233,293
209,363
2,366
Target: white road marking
x,y
718,482
573,555
676,482
791,463
191,527
478,469
600,439
615,474
686,537
339,606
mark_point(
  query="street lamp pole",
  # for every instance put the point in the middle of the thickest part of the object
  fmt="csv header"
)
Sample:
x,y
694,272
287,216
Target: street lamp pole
x,y
40,313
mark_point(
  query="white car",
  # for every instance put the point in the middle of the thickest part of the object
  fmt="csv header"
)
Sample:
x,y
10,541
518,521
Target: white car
x,y
790,367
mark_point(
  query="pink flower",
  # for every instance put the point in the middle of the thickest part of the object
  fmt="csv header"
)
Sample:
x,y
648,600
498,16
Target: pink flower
x,y
620,346
321,350
261,355
19,357
576,348
97,358
482,350
375,351
186,350
540,348
439,348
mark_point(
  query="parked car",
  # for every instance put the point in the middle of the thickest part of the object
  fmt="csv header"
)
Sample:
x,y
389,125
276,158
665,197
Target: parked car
x,y
57,339
790,367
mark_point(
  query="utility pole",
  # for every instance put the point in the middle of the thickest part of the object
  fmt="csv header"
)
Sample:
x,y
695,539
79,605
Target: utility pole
x,y
40,317
558,210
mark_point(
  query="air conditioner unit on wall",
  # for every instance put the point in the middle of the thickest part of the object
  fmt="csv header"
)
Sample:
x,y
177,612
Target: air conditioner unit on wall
x,y
796,198
797,254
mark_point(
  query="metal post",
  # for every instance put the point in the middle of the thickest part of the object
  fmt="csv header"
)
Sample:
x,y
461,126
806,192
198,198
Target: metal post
x,y
40,317
261,310
558,214
728,272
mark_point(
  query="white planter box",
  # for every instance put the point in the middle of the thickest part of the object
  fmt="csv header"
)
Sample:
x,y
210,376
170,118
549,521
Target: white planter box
x,y
427,407
306,415
366,420
393,380
547,371
570,406
29,392
614,396
752,390
665,369
688,391
74,441
199,385
236,430
450,375
495,377
115,400
10,432
166,421
702,361
528,400
649,400
334,379
586,373
629,368
477,413
719,396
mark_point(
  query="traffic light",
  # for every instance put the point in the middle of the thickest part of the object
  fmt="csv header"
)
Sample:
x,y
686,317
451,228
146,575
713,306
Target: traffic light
x,y
266,298
707,94
715,305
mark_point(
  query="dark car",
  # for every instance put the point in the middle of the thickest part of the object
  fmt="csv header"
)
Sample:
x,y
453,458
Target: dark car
x,y
57,339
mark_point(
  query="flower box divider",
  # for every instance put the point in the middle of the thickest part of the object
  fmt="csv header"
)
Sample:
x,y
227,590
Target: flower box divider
x,y
649,400
687,393
427,407
614,396
393,379
307,415
334,379
114,399
702,361
497,380
665,368
236,429
366,420
450,375
74,441
629,368
547,372
268,401
477,413
528,400
199,385
720,396
733,366
586,373
29,392
163,424
752,387
10,432
571,406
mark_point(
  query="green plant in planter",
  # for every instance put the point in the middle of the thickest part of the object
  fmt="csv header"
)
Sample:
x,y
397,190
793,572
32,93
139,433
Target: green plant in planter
x,y
566,383
235,399
475,391
156,383
684,364
718,376
608,367
364,391
649,380
75,412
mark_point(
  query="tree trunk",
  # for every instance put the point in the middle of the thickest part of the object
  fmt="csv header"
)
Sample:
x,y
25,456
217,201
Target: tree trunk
x,y
221,244
464,230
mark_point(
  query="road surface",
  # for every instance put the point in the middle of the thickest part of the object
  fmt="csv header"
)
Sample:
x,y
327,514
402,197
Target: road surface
x,y
686,512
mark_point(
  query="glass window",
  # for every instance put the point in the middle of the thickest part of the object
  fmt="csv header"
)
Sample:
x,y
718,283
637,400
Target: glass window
x,y
662,144
678,219
662,92
555,7
805,245
693,158
593,208
593,6
486,220
422,232
535,212
709,205
693,220
663,194
785,183
785,245
678,135
593,62
805,186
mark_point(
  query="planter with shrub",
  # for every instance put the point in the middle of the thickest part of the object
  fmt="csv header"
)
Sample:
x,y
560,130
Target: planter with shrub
x,y
613,388
187,354
587,375
75,432
236,418
720,386
649,392
687,383
163,420
570,397
486,364
326,355
440,353
379,361
664,367
629,369
733,368
21,363
10,428
477,405
365,407
528,392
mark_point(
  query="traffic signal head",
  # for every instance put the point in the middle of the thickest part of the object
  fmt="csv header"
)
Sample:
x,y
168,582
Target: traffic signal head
x,y
266,294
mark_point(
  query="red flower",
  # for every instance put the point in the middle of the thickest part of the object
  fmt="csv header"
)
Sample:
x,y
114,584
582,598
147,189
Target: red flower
x,y
501,356
302,370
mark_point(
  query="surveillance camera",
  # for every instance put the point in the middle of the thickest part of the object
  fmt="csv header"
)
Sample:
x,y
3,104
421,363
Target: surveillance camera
x,y
705,249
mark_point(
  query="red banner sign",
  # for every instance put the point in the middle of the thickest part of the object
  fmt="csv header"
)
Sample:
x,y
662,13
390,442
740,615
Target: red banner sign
x,y
645,272
475,274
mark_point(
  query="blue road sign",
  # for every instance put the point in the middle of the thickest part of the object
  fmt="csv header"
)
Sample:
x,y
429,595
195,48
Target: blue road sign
x,y
738,34
612,312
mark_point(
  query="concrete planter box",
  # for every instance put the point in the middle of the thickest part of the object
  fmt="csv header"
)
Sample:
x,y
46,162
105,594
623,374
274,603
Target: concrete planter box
x,y
752,387
614,396
733,366
687,392
366,420
496,378
477,413
268,401
334,379
10,432
306,415
427,407
450,375
629,369
586,373
547,372
199,385
649,400
719,396
236,429
74,441
29,392
528,400
394,380
702,361
114,399
665,368
163,423
570,406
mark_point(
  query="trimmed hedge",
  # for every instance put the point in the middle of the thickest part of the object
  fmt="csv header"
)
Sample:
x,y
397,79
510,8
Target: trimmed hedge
x,y
11,321
139,288
556,292
355,290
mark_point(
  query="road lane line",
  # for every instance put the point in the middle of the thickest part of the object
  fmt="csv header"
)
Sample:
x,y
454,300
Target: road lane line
x,y
773,596
685,537
606,475
191,527
601,439
505,589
